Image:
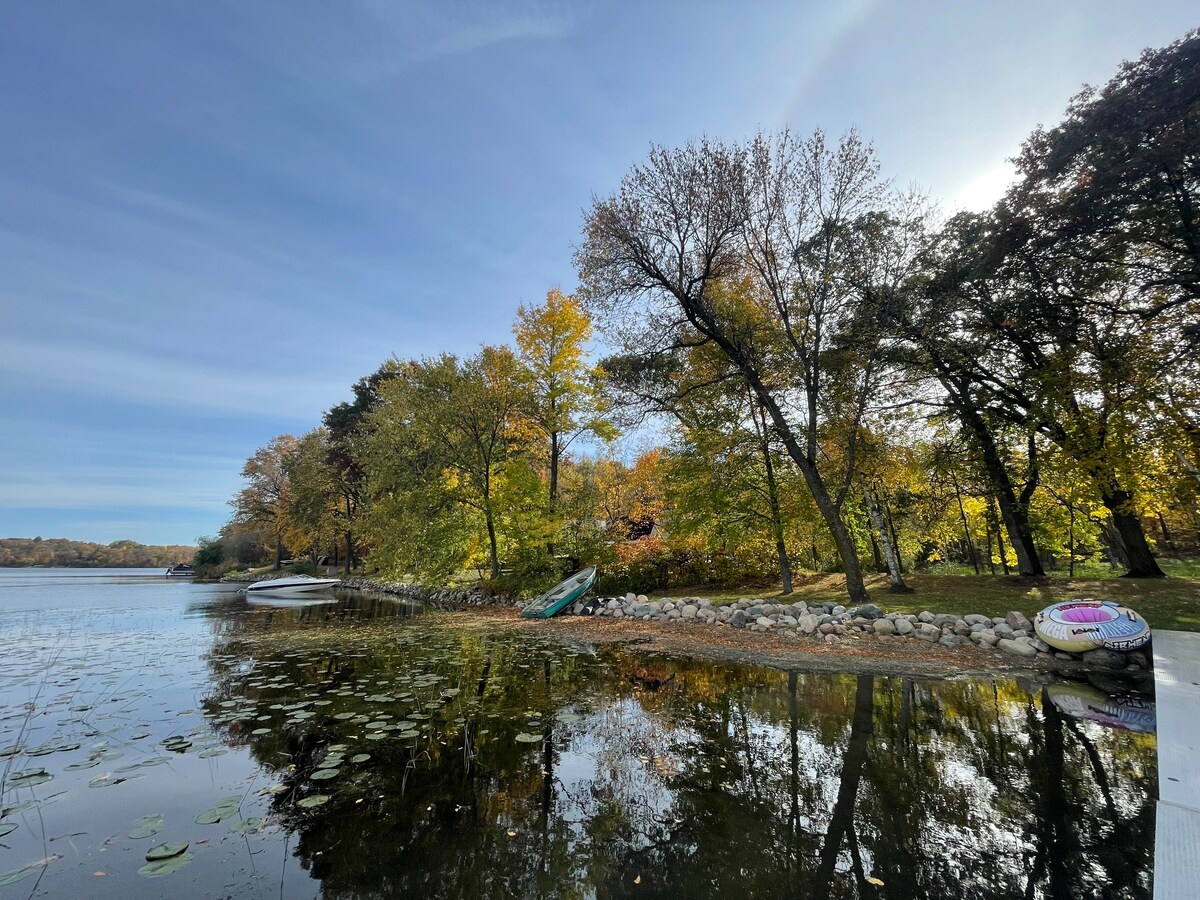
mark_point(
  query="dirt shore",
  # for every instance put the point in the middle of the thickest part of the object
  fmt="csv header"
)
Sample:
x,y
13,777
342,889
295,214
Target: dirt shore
x,y
866,655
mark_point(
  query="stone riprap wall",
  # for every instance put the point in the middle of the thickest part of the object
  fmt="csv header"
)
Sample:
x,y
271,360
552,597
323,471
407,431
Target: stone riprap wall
x,y
1012,634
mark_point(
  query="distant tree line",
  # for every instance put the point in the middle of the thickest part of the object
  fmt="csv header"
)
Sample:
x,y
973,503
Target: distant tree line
x,y
59,552
845,379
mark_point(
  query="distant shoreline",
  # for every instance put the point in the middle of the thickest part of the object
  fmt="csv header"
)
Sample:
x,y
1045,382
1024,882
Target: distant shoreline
x,y
64,553
100,565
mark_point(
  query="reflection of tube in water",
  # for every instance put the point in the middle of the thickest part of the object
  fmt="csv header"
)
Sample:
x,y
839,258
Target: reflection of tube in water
x,y
1128,711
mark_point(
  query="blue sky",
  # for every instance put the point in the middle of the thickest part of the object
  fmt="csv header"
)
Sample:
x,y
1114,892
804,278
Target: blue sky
x,y
216,216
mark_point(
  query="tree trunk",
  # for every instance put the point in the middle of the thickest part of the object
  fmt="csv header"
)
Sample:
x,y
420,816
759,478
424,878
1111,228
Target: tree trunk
x,y
764,447
987,530
1137,551
278,551
856,590
1071,541
887,512
1003,551
349,538
1014,513
966,527
885,539
785,567
876,557
554,452
1167,540
493,550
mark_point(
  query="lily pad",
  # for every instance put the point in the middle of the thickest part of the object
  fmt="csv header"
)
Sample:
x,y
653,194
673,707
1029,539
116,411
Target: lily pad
x,y
360,757
84,764
314,800
147,826
30,777
325,774
161,867
16,875
245,826
165,851
226,809
526,738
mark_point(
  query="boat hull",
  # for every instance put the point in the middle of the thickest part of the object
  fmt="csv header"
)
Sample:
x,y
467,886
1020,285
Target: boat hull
x,y
561,595
286,588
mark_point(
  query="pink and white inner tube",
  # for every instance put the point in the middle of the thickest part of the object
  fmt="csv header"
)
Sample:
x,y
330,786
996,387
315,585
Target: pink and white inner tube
x,y
1077,626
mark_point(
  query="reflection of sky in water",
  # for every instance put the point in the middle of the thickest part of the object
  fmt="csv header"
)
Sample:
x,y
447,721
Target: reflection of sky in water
x,y
170,696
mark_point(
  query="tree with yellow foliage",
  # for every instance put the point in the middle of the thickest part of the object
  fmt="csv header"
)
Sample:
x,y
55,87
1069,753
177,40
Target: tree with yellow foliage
x,y
264,500
567,401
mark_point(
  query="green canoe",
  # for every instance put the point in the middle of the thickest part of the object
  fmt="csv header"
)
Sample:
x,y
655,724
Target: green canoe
x,y
561,595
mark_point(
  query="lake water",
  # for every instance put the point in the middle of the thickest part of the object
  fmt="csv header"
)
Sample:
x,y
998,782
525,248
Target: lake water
x,y
362,750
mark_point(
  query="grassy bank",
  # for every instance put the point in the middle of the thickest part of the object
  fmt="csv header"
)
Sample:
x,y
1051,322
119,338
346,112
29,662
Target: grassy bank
x,y
1172,602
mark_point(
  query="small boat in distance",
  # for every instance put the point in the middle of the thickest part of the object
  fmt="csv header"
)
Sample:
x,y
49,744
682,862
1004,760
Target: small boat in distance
x,y
291,585
182,570
561,595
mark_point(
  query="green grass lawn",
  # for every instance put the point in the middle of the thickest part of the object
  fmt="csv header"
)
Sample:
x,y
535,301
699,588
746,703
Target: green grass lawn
x,y
1172,602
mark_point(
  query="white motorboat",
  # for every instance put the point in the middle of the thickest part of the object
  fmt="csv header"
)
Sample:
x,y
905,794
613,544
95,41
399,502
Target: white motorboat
x,y
291,585
182,570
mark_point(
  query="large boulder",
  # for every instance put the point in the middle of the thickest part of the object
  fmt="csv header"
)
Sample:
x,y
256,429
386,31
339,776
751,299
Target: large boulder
x,y
1017,621
1018,648
1103,659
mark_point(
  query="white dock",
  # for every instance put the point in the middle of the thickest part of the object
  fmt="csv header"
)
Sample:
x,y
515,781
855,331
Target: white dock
x,y
1177,823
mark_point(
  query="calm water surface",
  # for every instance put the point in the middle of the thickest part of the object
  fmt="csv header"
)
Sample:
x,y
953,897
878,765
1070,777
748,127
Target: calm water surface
x,y
358,749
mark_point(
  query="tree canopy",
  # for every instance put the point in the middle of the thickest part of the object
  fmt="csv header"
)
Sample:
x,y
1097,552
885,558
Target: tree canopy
x,y
806,369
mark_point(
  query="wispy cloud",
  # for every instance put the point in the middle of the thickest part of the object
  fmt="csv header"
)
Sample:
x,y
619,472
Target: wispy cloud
x,y
477,35
118,487
454,29
161,381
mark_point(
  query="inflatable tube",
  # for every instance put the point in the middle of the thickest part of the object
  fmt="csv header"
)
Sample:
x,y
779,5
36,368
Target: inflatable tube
x,y
1081,625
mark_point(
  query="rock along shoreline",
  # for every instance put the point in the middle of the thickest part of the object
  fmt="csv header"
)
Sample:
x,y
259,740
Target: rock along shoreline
x,y
1011,637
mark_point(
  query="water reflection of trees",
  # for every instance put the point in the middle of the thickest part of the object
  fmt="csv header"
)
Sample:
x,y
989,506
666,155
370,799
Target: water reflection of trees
x,y
723,782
